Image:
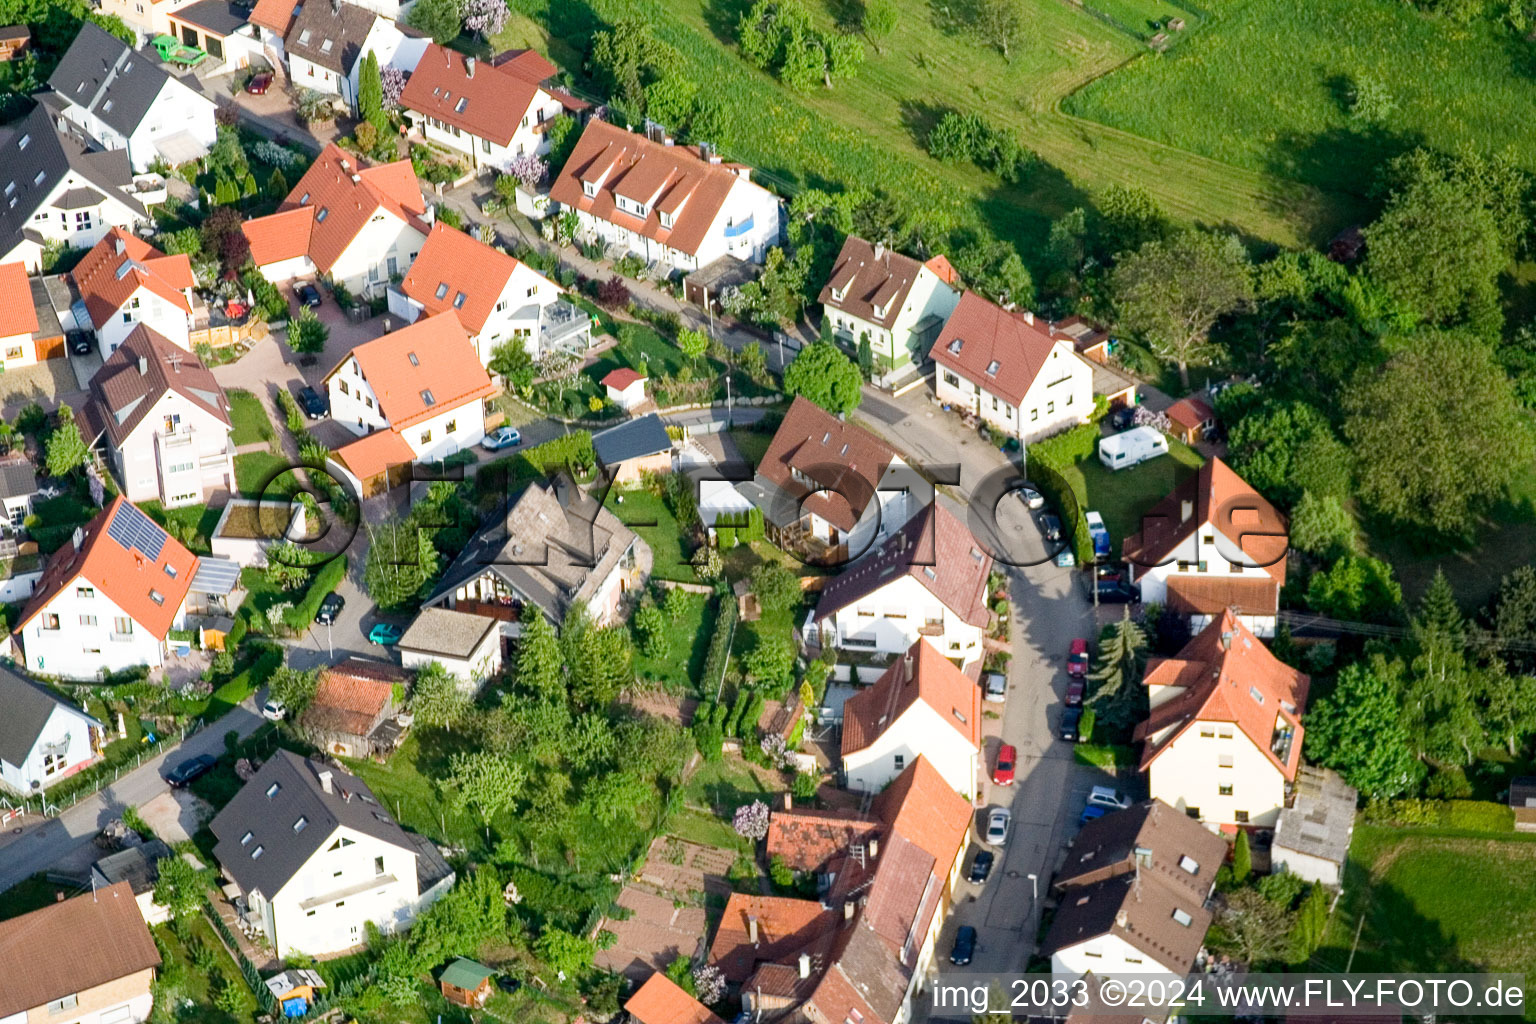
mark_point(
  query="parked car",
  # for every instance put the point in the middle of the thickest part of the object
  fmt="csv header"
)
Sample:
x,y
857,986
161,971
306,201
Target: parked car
x,y
1065,559
274,711
259,83
996,687
501,437
79,342
314,404
965,946
1070,718
998,823
1077,658
192,768
307,294
1077,689
1007,757
981,867
1089,813
1118,591
1099,533
330,609
1050,526
1031,498
1103,796
1122,417
385,634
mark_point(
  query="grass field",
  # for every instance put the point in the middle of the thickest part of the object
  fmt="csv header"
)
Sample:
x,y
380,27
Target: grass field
x,y
640,507
262,474
869,130
202,519
249,421
690,644
1435,901
1122,497
1265,85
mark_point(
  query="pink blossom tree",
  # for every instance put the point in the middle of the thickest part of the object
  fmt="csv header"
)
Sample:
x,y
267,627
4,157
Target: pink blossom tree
x,y
751,820
393,80
529,170
486,17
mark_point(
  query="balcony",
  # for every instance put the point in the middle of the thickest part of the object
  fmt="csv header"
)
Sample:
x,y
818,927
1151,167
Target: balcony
x,y
564,326
737,230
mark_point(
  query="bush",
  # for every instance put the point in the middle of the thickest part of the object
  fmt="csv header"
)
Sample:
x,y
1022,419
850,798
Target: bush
x,y
719,646
613,293
326,580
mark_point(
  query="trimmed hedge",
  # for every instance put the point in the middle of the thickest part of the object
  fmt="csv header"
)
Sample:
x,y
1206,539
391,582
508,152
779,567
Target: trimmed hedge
x,y
1047,462
1462,815
326,580
719,645
732,528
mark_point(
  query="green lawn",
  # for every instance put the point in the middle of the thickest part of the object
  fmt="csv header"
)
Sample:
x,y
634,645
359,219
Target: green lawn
x,y
249,421
870,130
1122,497
690,644
1435,901
259,474
181,978
1146,18
201,519
753,444
640,507
1265,85
712,795
53,521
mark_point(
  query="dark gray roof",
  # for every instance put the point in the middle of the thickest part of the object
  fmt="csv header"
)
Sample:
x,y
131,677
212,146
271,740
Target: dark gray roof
x,y
137,865
48,325
330,34
17,479
37,168
27,708
104,75
78,199
122,394
217,16
633,440
270,821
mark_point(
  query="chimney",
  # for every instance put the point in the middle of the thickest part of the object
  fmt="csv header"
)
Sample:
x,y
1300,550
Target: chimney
x,y
325,781
1029,317
805,965
704,150
879,250
848,908
789,800
120,246
469,67
874,848
1186,509
906,663
79,537
143,366
668,141
752,928
1122,919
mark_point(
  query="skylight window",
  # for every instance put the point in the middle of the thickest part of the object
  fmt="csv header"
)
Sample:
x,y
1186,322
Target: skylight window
x,y
458,300
954,346
412,357
304,36
427,399
1253,691
458,108
256,853
325,211
325,47
170,570
157,597
26,140
106,106
1189,864
274,789
304,199
40,176
127,67
442,289
1182,916
993,367
10,188
298,826
245,840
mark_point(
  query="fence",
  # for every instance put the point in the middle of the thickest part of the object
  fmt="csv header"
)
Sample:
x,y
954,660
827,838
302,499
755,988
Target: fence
x,y
264,997
52,805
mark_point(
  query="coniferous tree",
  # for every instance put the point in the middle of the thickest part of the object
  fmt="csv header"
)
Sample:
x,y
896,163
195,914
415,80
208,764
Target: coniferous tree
x,y
1118,697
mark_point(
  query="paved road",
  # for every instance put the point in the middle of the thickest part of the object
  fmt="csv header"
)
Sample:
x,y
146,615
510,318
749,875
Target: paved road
x,y
59,840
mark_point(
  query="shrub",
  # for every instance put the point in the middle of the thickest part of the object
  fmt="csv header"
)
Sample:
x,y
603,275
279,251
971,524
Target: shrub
x,y
613,293
804,785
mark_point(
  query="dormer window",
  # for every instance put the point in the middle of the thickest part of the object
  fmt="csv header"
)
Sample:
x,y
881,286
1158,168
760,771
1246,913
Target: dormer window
x,y
954,346
879,312
589,189
838,293
666,219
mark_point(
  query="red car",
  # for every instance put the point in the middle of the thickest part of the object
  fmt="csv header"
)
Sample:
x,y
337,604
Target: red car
x,y
1077,658
1076,689
259,83
1002,775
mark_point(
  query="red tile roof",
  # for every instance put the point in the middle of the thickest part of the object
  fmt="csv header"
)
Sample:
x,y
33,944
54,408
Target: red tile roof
x,y
276,15
1220,497
351,696
529,65
373,454
126,575
1000,350
783,926
17,314
671,178
455,264
1211,595
119,265
920,805
921,675
488,102
934,548
1188,413
620,379
846,463
432,357
810,840
1227,675
342,194
661,1001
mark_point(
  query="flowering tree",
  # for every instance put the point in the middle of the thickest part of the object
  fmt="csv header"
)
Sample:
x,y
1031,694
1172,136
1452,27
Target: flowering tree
x,y
751,820
393,80
709,983
528,169
775,750
486,17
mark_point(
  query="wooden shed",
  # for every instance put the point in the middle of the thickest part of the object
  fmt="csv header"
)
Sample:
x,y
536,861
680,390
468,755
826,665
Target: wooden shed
x,y
466,983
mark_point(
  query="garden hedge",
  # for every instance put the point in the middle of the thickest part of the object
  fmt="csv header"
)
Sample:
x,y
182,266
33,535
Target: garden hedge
x,y
327,579
1047,462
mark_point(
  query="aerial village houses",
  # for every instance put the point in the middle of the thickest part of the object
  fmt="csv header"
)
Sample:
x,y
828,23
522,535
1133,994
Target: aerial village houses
x,y
468,647
496,297
123,99
58,192
352,713
43,738
928,579
163,421
274,21
897,302
89,960
147,18
124,281
1133,894
222,30
828,484
1212,544
139,868
326,40
491,111
1017,374
317,858
18,318
18,487
108,597
422,384
661,1001
677,206
1223,739
634,448
361,224
921,704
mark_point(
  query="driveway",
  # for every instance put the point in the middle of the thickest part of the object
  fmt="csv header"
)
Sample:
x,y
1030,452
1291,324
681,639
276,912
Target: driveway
x,y
50,383
67,838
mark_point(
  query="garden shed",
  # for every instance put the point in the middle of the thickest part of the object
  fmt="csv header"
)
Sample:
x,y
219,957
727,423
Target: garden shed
x,y
466,983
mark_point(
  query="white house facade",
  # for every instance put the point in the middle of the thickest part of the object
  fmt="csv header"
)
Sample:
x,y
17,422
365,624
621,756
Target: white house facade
x,y
43,739
897,302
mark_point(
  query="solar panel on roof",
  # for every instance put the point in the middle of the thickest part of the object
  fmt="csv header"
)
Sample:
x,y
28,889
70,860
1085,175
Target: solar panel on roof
x,y
133,529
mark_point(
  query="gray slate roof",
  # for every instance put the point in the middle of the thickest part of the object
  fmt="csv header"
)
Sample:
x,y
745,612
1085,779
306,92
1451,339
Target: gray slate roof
x,y
1322,819
104,75
633,440
139,866
17,479
218,16
27,708
37,168
270,821
330,35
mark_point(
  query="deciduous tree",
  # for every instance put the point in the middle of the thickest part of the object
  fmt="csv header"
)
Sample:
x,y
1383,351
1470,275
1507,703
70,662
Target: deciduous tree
x,y
1358,730
402,564
436,700
437,18
485,782
999,22
879,20
821,373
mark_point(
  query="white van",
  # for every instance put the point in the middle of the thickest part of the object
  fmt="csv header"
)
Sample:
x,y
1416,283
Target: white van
x,y
1131,448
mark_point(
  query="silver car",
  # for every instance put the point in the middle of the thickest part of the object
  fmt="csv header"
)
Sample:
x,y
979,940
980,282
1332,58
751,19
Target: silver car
x,y
996,687
998,823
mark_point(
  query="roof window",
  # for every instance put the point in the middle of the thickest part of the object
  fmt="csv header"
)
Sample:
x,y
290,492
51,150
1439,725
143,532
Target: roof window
x,y
10,188
157,597
274,789
325,47
304,199
298,826
442,289
427,399
458,108
26,140
256,853
954,346
412,357
304,36
107,106
993,367
245,840
1189,864
325,211
1253,691
1182,916
170,570
458,300
40,176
